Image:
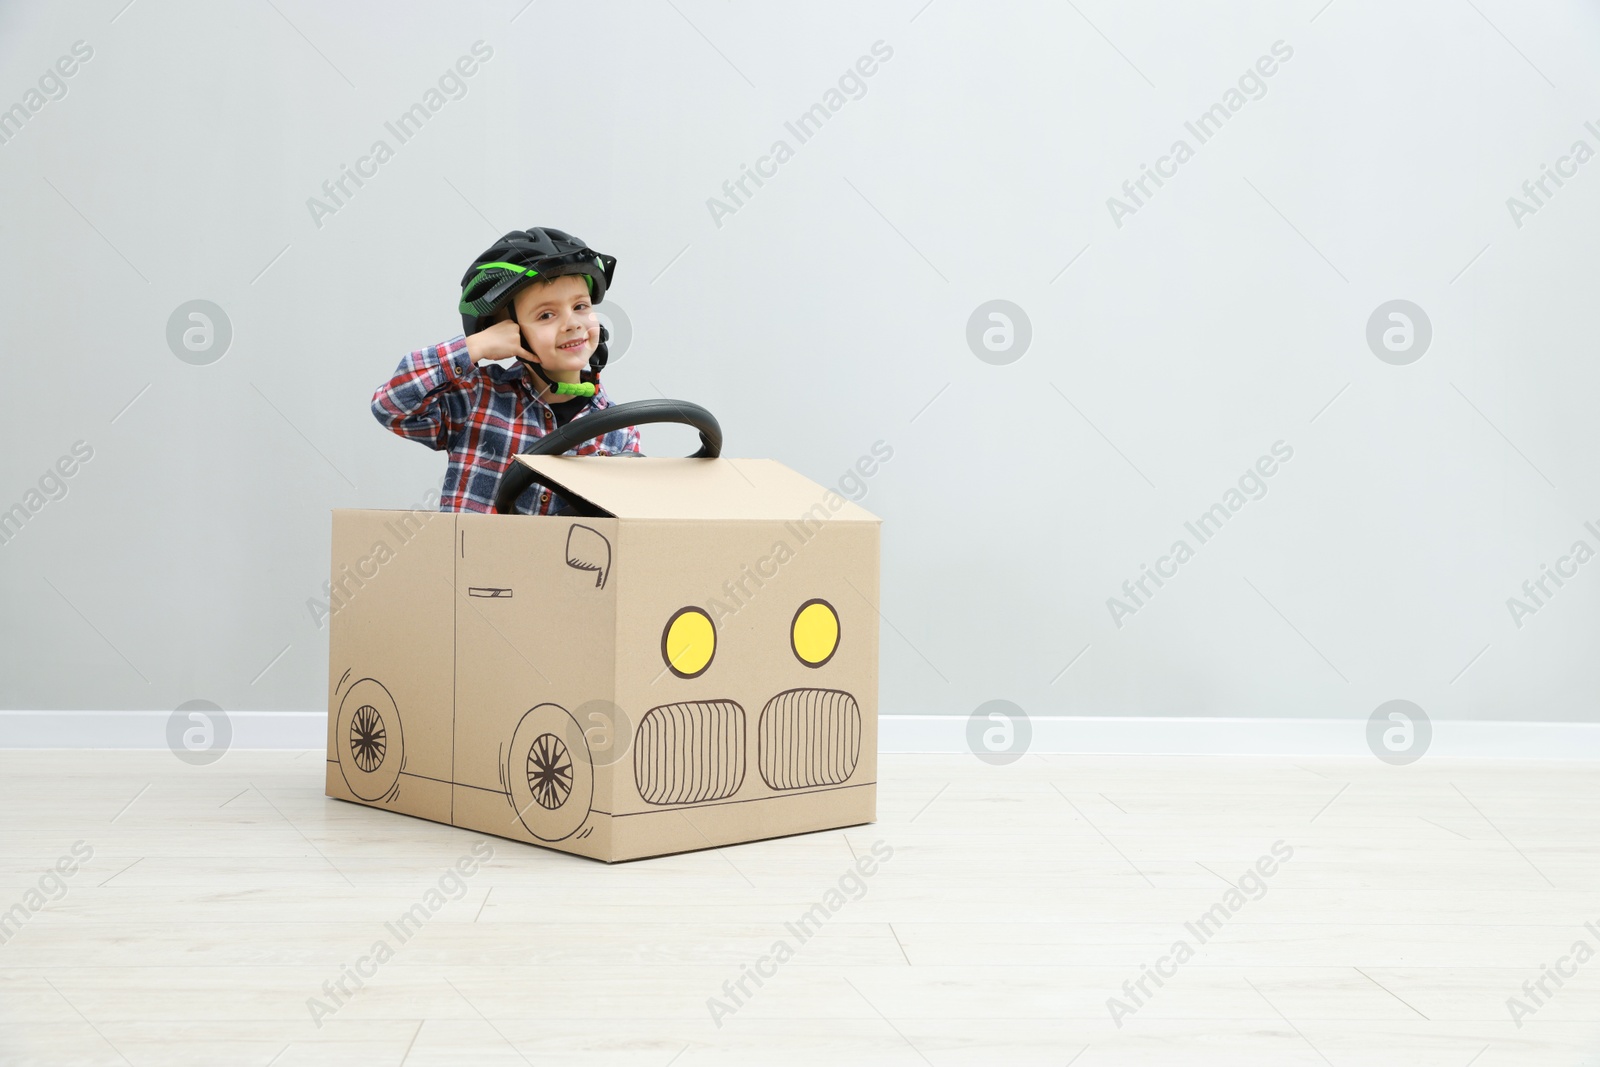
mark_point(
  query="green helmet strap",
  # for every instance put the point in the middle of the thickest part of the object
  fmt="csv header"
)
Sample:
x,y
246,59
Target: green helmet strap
x,y
560,388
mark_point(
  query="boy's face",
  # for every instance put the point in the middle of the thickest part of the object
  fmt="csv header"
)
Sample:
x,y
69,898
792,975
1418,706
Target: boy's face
x,y
559,323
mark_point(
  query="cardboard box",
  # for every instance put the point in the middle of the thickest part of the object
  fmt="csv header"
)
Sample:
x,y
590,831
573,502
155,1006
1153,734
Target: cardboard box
x,y
690,662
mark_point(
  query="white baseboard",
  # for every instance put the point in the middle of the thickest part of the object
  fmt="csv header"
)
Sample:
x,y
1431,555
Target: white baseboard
x,y
1086,734
1214,736
148,729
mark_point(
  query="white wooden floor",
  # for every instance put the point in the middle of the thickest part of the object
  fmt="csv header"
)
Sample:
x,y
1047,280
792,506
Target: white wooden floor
x,y
1017,900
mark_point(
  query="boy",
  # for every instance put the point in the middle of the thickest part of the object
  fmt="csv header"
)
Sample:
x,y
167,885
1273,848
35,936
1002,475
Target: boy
x,y
530,297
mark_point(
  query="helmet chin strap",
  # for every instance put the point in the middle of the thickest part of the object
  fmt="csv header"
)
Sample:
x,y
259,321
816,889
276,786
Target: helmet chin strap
x,y
563,388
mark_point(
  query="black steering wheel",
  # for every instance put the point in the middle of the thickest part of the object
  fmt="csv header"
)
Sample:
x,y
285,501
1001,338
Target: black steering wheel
x,y
518,477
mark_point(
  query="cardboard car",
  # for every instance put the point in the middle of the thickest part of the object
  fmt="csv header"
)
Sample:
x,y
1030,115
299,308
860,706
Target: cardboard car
x,y
688,659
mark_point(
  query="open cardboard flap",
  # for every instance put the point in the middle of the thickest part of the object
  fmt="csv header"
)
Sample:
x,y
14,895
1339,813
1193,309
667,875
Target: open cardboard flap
x,y
657,487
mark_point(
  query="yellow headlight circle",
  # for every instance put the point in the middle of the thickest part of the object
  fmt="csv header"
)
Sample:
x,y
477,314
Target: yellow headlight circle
x,y
814,634
688,642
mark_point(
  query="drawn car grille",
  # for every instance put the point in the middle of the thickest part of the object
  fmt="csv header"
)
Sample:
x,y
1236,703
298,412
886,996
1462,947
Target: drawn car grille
x,y
809,737
691,752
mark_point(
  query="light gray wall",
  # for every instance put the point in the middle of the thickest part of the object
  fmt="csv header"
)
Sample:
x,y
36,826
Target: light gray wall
x,y
830,311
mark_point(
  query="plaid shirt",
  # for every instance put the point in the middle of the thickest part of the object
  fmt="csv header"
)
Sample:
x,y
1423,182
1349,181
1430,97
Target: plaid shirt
x,y
483,416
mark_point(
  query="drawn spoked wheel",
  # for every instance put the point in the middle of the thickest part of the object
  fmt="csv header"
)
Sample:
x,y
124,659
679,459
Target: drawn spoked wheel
x,y
368,740
550,773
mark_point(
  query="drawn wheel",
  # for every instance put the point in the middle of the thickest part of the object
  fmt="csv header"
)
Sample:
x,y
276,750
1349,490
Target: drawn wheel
x,y
368,740
550,773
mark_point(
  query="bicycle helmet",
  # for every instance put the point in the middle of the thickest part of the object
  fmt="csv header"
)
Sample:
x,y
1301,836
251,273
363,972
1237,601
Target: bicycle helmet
x,y
514,261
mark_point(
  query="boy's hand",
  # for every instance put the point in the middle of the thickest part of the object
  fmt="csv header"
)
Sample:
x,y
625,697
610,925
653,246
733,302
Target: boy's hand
x,y
503,340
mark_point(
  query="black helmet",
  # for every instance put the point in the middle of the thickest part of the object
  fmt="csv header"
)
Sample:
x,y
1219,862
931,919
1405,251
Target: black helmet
x,y
516,260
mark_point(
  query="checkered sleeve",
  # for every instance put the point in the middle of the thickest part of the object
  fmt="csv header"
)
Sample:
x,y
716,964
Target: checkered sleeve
x,y
427,400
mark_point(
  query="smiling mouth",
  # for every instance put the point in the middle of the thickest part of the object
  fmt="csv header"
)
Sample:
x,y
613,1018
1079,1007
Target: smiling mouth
x,y
573,346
